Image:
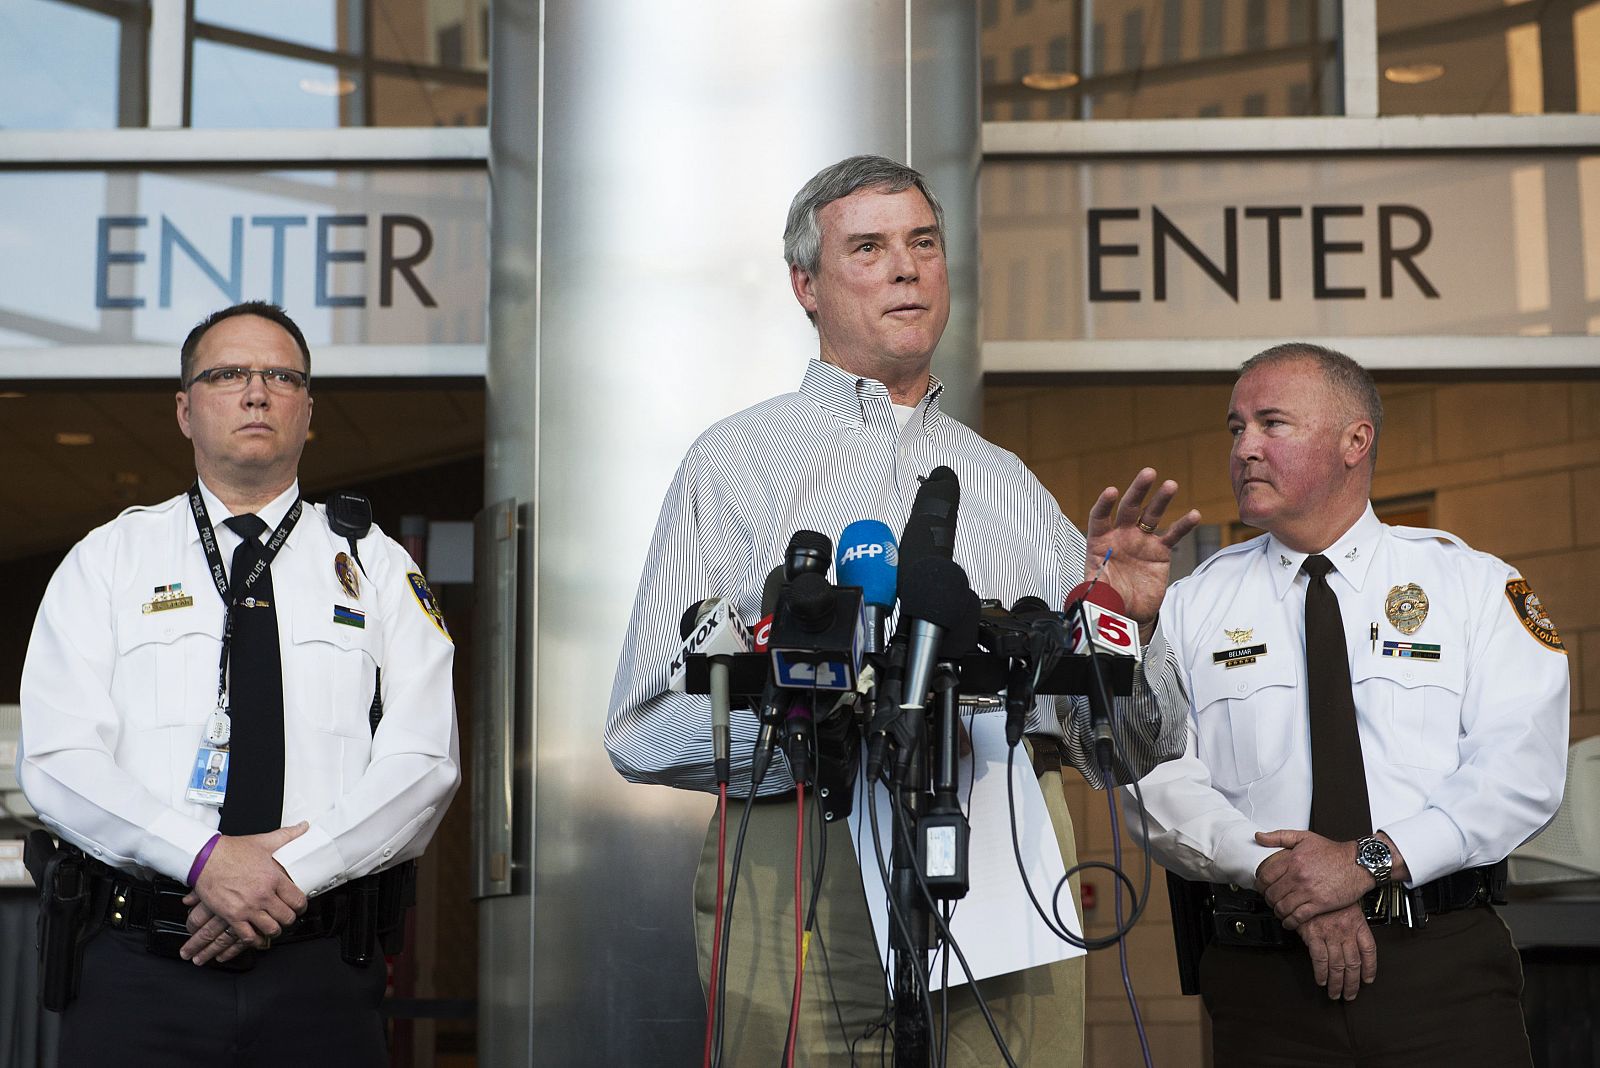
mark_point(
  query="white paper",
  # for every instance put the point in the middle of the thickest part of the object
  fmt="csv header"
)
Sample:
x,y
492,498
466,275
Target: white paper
x,y
995,925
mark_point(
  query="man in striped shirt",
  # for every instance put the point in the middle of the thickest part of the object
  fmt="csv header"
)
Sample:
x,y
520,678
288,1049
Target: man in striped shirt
x,y
864,242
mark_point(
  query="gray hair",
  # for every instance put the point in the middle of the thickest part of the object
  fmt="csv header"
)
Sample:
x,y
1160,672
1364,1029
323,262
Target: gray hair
x,y
1349,379
802,234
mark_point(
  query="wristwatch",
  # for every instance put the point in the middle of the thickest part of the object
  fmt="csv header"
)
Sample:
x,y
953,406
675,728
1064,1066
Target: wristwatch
x,y
1375,857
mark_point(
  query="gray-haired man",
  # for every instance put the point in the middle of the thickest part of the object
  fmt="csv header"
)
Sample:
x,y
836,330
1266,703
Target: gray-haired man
x,y
865,246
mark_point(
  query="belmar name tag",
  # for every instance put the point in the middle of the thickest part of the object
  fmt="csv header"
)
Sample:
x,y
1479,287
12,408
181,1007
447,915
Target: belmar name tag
x,y
1244,654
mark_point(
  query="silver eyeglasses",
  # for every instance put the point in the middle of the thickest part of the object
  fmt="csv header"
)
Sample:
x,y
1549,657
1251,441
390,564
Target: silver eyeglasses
x,y
231,379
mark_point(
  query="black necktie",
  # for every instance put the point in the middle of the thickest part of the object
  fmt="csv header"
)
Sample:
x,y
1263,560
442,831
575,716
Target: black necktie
x,y
255,694
1339,808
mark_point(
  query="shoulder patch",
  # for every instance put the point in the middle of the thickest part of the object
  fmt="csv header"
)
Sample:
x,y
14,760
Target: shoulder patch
x,y
419,587
1531,612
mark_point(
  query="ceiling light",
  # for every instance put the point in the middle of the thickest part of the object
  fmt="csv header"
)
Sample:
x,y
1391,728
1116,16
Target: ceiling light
x,y
11,394
1414,73
74,437
323,87
1048,80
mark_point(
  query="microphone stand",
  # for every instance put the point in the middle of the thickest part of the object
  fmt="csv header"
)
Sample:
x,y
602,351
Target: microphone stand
x,y
935,822
907,788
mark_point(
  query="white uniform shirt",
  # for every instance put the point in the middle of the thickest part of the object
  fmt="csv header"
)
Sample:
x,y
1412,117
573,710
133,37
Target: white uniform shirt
x,y
819,459
115,697
1465,755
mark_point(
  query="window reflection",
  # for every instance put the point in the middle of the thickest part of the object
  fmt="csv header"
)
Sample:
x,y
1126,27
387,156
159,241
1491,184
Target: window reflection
x,y
1161,59
1519,57
325,63
72,66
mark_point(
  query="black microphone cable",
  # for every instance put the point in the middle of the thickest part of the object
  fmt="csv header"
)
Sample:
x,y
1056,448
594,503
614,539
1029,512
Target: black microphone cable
x,y
955,947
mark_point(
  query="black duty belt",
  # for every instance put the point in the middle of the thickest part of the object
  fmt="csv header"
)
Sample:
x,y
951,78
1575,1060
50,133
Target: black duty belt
x,y
1242,917
155,907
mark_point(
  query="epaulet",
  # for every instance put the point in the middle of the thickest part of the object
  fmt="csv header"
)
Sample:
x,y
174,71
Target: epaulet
x,y
1236,549
1428,534
158,507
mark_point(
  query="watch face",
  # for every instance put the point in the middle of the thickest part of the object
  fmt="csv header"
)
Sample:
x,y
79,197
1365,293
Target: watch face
x,y
1374,856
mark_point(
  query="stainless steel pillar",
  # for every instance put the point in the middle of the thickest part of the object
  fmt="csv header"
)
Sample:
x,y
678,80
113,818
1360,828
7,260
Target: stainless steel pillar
x,y
642,159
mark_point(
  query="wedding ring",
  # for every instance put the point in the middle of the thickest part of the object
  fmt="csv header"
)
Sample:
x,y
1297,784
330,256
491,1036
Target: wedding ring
x,y
1148,528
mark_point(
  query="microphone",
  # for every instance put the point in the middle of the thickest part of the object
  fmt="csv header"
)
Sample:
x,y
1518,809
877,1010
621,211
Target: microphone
x,y
808,552
1113,631
870,559
769,604
718,632
935,597
817,635
714,630
1099,627
930,529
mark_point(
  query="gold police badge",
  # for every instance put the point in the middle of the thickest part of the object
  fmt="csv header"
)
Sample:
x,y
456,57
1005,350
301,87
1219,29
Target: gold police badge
x,y
1406,607
1239,637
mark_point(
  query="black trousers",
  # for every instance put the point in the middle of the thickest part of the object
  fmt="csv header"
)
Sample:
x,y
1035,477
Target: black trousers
x,y
301,1004
1446,994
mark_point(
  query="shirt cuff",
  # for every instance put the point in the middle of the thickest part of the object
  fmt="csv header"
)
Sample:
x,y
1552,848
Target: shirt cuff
x,y
172,842
1430,844
1239,858
313,861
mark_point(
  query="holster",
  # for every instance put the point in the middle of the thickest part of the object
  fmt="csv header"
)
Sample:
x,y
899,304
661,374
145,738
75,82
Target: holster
x,y
375,913
1191,927
70,906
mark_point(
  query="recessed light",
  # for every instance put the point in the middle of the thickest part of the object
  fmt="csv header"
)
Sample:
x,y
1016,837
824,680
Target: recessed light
x,y
11,394
1414,73
74,437
1053,79
325,87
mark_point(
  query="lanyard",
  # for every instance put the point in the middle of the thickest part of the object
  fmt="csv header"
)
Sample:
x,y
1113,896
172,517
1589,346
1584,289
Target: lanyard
x,y
219,575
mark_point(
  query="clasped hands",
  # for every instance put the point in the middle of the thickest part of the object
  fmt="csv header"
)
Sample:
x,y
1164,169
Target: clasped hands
x,y
1315,886
243,898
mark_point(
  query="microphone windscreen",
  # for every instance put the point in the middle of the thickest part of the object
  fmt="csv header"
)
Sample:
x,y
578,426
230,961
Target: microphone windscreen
x,y
1101,593
807,551
870,558
931,527
693,615
936,591
811,600
1029,605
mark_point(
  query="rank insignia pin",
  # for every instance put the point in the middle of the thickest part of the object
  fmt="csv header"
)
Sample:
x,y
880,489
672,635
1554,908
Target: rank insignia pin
x,y
1353,553
349,577
1406,607
1283,561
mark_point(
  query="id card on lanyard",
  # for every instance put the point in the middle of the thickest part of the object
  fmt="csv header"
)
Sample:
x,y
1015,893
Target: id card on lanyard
x,y
208,776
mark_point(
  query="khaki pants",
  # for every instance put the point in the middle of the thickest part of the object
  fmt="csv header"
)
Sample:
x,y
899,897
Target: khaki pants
x,y
1040,1011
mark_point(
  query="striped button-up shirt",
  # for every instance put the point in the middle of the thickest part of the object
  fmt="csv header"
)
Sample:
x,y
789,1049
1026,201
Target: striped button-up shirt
x,y
819,459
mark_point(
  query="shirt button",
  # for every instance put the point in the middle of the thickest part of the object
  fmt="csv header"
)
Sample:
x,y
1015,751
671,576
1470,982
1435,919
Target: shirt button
x,y
388,852
1241,687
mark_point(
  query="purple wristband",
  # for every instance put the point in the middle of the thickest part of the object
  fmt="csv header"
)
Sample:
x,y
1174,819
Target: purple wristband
x,y
201,857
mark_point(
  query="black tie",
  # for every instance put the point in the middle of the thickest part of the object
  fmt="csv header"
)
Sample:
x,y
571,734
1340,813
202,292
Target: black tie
x,y
1339,808
255,694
